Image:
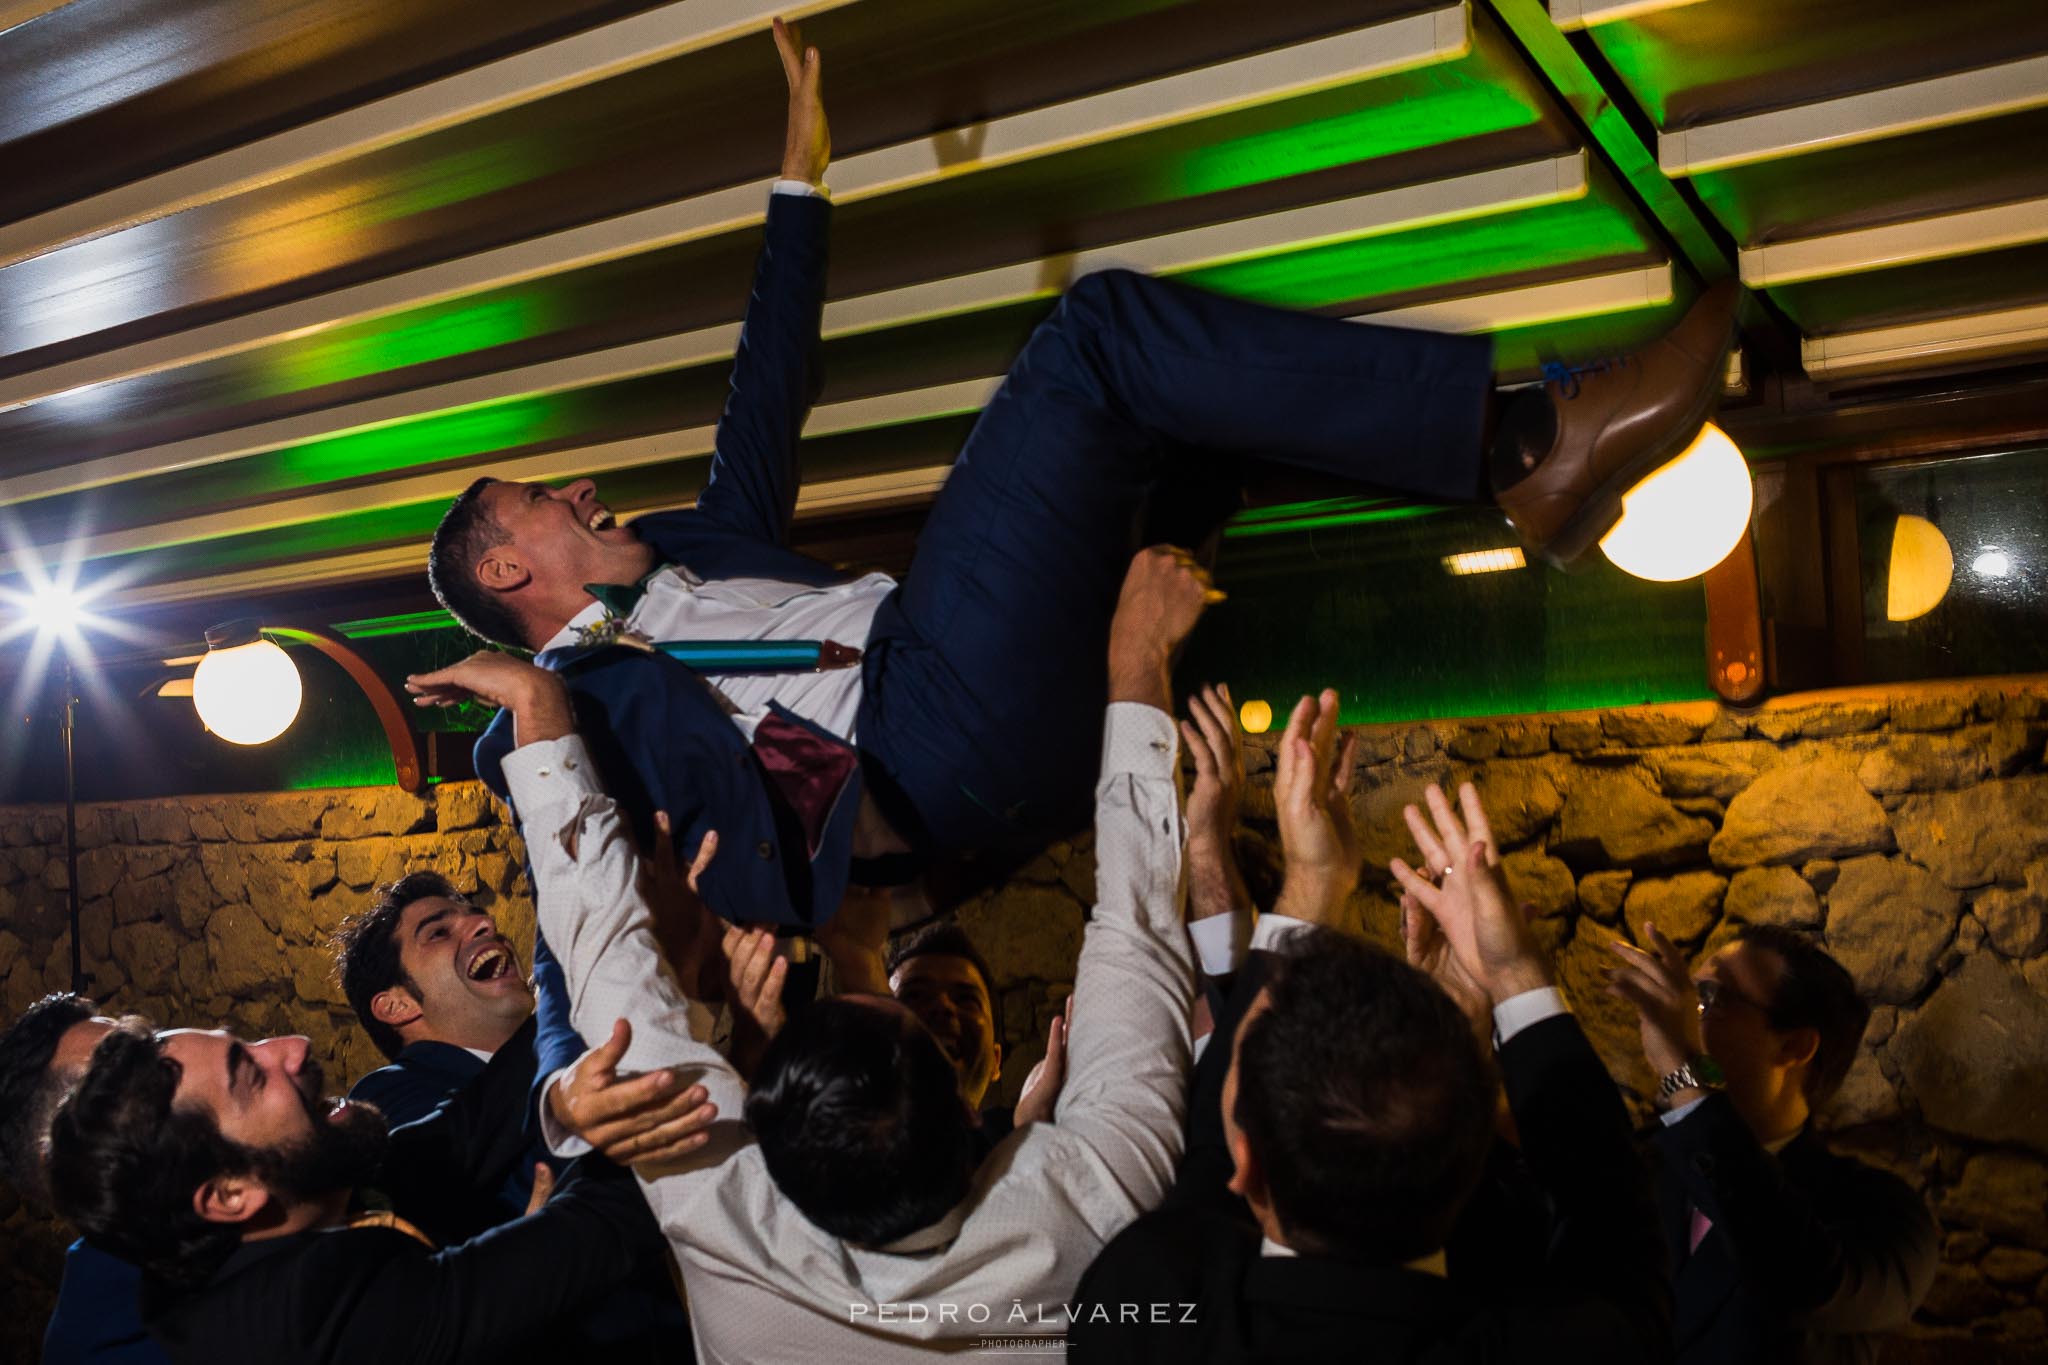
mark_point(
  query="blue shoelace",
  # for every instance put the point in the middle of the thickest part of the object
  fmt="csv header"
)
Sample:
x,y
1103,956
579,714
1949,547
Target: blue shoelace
x,y
1566,377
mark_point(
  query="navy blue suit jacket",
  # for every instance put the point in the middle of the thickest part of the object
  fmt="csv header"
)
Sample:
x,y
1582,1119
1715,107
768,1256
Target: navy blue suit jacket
x,y
98,1318
660,738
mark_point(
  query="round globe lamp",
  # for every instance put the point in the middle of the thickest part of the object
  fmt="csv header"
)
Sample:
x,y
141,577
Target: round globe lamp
x,y
1921,570
1256,717
246,689
1685,518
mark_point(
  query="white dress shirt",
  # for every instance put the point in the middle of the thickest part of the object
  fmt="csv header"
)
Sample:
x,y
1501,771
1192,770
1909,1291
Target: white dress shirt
x,y
678,605
764,1283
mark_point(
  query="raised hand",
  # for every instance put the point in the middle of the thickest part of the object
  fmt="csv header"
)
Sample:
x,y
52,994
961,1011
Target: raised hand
x,y
755,973
1312,796
684,926
1428,950
648,1118
1468,898
1041,1095
1164,594
537,699
1215,886
1658,984
807,143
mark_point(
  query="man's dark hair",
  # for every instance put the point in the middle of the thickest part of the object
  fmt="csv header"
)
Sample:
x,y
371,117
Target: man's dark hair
x,y
948,939
466,532
1813,991
124,1161
366,960
31,1088
1366,1100
857,1112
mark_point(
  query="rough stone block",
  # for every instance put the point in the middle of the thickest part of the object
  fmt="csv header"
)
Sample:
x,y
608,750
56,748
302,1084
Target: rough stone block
x,y
1601,894
1577,734
1419,744
99,869
95,929
1612,816
2016,920
2014,1267
148,862
1524,739
1976,1055
1540,880
1918,763
206,825
227,870
1866,1096
361,812
1683,907
161,822
312,975
1887,922
463,805
294,815
1034,932
242,952
1983,834
192,897
1649,729
2003,1194
1521,798
1773,895
1474,743
1716,770
148,952
1929,713
1820,722
1960,1293
1804,810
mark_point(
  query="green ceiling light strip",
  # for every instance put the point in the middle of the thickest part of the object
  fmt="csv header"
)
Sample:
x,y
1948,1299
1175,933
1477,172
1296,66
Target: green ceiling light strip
x,y
405,623
1321,514
1609,130
436,332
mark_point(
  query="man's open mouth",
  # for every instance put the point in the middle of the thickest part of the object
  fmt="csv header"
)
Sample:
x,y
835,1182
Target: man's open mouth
x,y
490,963
601,520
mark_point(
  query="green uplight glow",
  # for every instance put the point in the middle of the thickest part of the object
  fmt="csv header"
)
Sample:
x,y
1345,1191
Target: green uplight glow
x,y
1328,512
407,623
1419,109
1444,255
429,440
436,332
457,178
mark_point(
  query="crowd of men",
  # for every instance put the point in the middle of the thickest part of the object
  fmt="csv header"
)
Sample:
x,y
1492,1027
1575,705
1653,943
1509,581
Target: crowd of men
x,y
737,1111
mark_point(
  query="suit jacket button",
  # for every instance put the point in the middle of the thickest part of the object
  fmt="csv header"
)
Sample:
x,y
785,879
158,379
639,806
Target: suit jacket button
x,y
765,849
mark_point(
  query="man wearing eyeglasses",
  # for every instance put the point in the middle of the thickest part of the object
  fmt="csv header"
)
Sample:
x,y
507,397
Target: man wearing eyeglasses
x,y
1781,1249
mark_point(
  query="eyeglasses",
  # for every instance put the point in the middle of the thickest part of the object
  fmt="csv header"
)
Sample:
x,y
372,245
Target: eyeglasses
x,y
1715,995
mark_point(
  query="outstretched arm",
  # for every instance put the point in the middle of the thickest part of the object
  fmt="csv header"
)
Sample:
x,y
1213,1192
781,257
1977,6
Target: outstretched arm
x,y
775,377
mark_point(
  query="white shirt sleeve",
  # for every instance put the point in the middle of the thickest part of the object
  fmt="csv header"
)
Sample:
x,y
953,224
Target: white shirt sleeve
x,y
558,1140
588,898
1128,1056
1220,942
803,187
1672,1117
1517,1012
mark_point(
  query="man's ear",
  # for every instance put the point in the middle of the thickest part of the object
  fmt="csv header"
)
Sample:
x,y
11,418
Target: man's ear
x,y
231,1199
1247,1181
995,1073
395,1007
1798,1047
501,570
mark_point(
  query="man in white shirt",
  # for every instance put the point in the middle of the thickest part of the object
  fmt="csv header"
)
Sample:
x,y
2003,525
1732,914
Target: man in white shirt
x,y
847,1219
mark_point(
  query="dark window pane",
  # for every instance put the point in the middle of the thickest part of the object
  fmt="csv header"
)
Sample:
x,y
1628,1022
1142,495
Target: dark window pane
x,y
1954,566
1360,598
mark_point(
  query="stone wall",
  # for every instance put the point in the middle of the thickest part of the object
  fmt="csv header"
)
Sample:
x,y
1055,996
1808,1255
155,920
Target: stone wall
x,y
1908,828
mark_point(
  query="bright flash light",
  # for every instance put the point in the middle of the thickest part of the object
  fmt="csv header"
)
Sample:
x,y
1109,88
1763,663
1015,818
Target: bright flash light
x,y
54,609
1685,518
1992,563
1485,561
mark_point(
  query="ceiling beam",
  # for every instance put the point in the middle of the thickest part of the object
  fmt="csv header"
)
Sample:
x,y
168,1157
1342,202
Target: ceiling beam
x,y
1894,244
1501,190
1266,78
1591,296
1928,345
1873,115
525,78
1572,15
14,13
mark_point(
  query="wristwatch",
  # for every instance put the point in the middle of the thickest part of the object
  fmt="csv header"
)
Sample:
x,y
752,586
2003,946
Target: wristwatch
x,y
1701,1073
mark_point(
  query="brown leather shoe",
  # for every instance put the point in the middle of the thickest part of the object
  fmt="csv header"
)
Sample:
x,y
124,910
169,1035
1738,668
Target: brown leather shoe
x,y
1617,422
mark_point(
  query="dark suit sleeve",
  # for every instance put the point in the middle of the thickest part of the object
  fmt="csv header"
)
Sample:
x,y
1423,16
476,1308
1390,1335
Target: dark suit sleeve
x,y
1858,1258
472,1142
365,1297
403,1095
1206,1166
1602,1294
775,376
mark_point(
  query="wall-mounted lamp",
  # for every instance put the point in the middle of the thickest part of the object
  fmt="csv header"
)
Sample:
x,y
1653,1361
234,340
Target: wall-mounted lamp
x,y
247,689
1685,518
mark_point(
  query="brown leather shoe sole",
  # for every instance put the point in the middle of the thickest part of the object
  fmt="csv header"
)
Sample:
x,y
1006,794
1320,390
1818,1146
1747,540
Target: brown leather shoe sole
x,y
1573,541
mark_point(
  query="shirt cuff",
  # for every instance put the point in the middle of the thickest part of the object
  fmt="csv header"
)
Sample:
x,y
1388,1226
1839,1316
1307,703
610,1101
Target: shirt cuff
x,y
1139,740
1673,1117
1271,933
549,774
559,1140
803,187
1518,1012
1220,942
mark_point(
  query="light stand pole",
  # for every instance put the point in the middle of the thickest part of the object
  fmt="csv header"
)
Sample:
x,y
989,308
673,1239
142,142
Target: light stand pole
x,y
71,824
